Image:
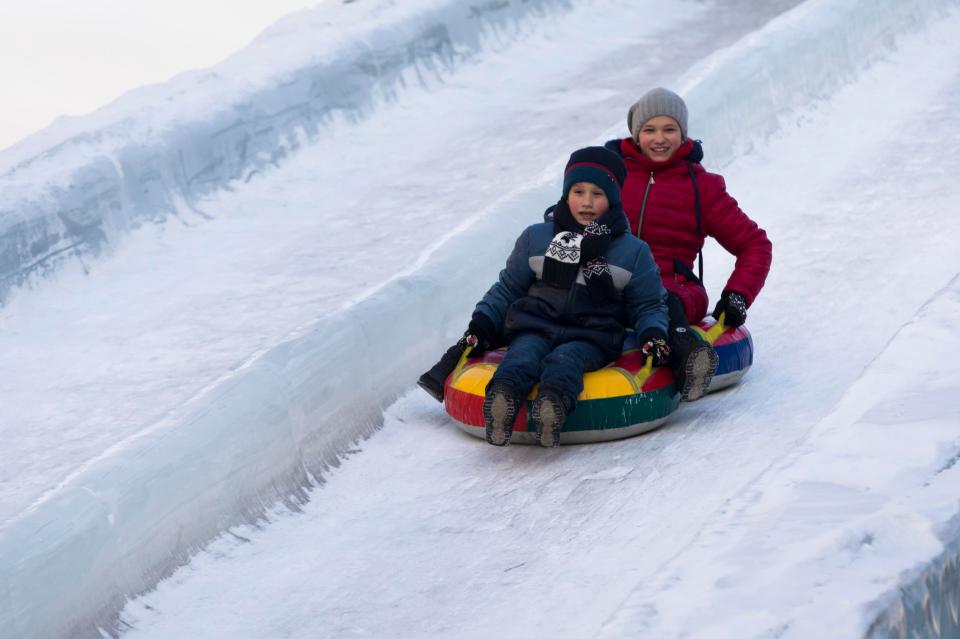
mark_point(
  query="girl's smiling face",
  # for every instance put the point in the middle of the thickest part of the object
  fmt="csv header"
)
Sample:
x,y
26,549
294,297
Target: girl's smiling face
x,y
659,137
587,202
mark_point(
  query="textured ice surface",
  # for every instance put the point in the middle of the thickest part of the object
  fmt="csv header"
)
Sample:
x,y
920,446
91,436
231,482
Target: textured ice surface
x,y
69,193
260,426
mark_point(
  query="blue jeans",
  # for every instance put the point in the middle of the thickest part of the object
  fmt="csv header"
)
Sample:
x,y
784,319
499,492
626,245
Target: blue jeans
x,y
532,357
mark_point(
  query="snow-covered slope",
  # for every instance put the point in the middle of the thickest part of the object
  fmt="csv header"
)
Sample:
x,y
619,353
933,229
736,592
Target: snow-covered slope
x,y
258,430
794,505
108,350
137,355
827,536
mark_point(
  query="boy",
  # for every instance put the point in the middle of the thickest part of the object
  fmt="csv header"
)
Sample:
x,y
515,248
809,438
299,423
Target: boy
x,y
569,286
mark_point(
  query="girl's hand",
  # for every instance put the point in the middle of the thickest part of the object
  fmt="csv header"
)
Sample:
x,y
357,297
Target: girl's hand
x,y
734,306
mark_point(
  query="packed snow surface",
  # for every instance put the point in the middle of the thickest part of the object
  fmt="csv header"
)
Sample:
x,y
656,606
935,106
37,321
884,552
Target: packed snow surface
x,y
167,387
115,345
787,506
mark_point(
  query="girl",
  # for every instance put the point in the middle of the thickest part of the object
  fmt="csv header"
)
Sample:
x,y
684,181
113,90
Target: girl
x,y
673,204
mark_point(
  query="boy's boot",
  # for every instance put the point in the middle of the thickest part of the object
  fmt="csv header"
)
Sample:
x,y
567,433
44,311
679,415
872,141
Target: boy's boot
x,y
500,407
693,362
432,381
549,412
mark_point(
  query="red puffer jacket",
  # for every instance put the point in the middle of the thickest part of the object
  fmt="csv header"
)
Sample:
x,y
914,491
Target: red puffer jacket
x,y
659,198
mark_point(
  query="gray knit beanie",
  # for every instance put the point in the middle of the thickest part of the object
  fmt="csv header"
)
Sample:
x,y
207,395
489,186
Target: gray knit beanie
x,y
656,102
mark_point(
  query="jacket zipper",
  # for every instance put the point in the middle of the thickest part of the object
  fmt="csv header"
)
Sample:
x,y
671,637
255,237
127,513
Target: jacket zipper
x,y
565,311
643,204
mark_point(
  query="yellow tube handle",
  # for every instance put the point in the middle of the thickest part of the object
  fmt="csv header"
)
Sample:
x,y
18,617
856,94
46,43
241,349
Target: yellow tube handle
x,y
716,330
462,362
644,373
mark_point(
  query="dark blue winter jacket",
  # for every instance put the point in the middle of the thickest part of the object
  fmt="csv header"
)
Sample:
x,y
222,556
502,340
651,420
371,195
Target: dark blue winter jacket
x,y
520,301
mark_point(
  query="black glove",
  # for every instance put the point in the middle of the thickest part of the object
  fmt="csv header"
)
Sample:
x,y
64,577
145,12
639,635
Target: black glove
x,y
735,307
658,348
483,328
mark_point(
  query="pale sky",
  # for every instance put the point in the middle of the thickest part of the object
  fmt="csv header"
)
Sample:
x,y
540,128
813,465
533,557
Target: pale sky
x,y
59,57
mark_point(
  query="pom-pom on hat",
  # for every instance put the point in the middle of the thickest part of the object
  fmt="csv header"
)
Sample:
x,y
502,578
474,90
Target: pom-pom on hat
x,y
599,166
656,102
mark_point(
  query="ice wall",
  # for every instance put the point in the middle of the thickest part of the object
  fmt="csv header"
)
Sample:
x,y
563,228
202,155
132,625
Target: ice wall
x,y
745,93
70,192
269,431
263,435
929,605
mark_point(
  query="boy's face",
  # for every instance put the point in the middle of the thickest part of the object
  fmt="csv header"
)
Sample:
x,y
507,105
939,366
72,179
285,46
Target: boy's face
x,y
659,137
587,202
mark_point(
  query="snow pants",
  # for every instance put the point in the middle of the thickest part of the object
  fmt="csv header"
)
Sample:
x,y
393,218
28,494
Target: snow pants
x,y
532,357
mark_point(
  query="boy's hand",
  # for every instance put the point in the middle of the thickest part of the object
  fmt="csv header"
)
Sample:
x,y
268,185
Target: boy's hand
x,y
483,329
658,348
735,307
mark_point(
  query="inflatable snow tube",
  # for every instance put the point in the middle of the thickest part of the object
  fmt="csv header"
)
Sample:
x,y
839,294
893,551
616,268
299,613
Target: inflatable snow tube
x,y
734,348
618,401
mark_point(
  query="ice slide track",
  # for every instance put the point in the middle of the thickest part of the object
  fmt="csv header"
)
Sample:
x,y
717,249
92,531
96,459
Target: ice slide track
x,y
606,474
492,528
232,459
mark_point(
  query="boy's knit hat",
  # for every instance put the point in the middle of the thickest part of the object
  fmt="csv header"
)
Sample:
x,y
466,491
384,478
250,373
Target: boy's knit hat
x,y
599,166
656,102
